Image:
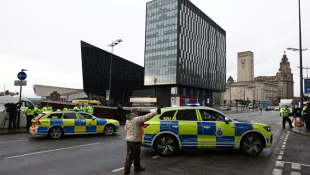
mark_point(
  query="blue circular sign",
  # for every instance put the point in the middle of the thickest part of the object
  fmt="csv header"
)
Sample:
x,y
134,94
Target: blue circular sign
x,y
21,76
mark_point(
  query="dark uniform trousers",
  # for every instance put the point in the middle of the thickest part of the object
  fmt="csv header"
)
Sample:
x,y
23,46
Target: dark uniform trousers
x,y
29,118
133,153
284,121
12,119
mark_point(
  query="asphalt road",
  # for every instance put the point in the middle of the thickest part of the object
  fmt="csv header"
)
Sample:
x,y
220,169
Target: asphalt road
x,y
97,154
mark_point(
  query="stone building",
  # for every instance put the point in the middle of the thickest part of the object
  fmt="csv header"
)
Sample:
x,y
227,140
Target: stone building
x,y
271,88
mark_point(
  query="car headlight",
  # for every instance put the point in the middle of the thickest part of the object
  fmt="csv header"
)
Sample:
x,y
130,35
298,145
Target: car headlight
x,y
267,128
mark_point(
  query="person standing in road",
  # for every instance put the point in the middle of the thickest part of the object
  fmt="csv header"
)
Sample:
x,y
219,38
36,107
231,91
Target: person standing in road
x,y
67,108
119,111
260,110
90,109
38,110
284,115
47,107
77,107
82,108
133,132
307,116
29,115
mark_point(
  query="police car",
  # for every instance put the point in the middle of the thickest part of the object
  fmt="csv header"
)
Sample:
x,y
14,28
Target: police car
x,y
203,127
57,124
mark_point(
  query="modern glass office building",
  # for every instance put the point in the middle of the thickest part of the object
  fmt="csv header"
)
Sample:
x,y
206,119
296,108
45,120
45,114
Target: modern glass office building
x,y
184,48
126,76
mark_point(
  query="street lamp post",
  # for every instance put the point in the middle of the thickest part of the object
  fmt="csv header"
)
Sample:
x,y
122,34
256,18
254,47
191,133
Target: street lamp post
x,y
113,44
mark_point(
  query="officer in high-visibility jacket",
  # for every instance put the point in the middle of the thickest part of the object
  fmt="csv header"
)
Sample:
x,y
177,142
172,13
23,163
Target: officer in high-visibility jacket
x,y
47,107
29,112
90,109
306,113
67,108
83,108
38,110
284,114
77,107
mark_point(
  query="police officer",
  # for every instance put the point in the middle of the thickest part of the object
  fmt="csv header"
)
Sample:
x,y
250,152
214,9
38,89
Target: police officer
x,y
77,107
67,108
284,114
90,109
29,114
303,112
38,110
83,108
307,116
47,107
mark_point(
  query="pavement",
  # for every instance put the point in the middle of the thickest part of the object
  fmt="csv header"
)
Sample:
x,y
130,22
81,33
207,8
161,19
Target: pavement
x,y
97,154
5,131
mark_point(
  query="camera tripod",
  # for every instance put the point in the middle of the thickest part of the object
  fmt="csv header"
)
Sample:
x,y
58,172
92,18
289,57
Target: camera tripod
x,y
7,117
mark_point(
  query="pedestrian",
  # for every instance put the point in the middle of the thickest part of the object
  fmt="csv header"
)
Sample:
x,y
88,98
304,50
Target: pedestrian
x,y
284,115
38,110
47,107
90,109
260,110
29,112
82,108
119,111
12,111
133,131
67,108
77,107
307,116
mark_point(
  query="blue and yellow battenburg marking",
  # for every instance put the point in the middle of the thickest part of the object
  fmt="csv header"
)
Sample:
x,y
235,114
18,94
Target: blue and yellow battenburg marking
x,y
201,134
72,126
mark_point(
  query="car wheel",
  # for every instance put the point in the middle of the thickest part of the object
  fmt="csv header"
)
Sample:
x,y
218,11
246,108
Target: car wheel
x,y
166,145
55,132
109,130
252,145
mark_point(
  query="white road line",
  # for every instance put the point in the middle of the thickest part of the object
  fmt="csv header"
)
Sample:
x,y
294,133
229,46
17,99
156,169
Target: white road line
x,y
14,141
284,143
281,152
156,157
279,157
295,173
296,166
279,163
277,172
40,152
283,146
114,171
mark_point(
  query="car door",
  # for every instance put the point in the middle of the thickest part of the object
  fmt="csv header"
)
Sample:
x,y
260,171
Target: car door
x,y
71,123
185,124
216,129
88,124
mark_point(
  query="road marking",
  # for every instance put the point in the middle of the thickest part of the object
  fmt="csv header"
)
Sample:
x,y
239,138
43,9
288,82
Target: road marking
x,y
114,171
281,152
283,146
284,143
14,141
280,157
295,173
296,166
279,163
156,157
40,152
277,172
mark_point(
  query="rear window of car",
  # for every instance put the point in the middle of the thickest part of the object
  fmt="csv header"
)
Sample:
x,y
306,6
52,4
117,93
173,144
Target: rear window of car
x,y
69,116
55,116
167,115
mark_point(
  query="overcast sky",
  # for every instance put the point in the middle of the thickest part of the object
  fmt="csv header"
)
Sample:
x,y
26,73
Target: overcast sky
x,y
44,36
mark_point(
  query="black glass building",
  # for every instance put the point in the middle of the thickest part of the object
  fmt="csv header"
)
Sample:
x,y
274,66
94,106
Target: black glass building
x,y
126,76
184,48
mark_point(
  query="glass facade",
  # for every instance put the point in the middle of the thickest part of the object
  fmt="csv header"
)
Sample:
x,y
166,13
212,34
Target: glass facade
x,y
183,46
126,76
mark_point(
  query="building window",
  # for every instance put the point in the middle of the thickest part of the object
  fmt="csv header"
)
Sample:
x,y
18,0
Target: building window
x,y
192,92
197,93
184,91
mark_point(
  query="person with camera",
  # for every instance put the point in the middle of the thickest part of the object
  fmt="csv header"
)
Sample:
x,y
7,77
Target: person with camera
x,y
29,112
12,109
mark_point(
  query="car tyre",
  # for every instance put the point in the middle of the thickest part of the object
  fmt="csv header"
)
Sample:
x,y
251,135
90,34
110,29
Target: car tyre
x,y
109,130
252,145
55,132
166,145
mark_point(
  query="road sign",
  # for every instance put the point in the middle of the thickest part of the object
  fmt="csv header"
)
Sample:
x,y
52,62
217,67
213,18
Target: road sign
x,y
307,86
107,95
22,76
20,83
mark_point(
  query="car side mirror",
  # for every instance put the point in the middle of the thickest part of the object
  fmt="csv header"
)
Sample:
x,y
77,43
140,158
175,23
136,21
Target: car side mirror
x,y
226,120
